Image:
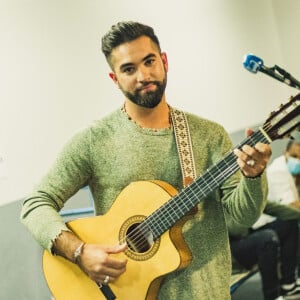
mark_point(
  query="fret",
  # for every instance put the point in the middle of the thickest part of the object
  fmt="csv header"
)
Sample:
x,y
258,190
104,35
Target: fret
x,y
166,216
140,235
184,201
256,137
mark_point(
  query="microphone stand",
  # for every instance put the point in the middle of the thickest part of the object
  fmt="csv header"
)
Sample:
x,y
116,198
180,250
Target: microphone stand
x,y
287,77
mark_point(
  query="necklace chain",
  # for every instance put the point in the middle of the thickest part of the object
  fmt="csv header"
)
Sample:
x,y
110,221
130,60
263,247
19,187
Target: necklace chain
x,y
123,109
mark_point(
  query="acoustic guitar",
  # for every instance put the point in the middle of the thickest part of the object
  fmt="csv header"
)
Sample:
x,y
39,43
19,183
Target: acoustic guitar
x,y
149,216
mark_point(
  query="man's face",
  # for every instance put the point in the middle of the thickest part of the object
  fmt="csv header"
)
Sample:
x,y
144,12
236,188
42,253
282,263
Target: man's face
x,y
140,71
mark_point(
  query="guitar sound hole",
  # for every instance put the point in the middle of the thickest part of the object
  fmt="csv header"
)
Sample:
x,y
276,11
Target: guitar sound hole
x,y
139,239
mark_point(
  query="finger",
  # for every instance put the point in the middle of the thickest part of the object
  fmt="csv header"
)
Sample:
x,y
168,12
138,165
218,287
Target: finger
x,y
100,275
243,158
116,248
112,265
248,132
116,264
264,149
100,263
249,151
106,279
112,261
260,154
241,155
108,271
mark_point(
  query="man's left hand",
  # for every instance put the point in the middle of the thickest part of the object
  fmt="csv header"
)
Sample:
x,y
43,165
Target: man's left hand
x,y
253,160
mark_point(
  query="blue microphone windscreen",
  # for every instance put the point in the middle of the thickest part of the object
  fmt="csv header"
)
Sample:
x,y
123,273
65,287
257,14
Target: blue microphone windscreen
x,y
252,63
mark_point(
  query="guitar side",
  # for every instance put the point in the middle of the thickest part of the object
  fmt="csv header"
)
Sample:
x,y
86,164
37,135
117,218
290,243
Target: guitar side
x,y
145,270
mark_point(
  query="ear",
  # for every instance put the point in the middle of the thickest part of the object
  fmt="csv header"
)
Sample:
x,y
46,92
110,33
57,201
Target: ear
x,y
113,77
164,59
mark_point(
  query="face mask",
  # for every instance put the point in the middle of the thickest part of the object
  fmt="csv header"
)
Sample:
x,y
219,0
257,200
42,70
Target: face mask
x,y
293,165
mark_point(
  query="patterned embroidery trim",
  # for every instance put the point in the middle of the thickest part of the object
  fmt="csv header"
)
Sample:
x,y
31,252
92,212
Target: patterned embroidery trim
x,y
184,145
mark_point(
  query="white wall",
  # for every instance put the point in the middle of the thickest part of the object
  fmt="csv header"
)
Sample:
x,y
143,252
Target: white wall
x,y
287,23
53,76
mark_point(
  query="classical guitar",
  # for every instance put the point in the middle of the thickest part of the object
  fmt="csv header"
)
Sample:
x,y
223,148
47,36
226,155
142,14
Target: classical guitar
x,y
152,226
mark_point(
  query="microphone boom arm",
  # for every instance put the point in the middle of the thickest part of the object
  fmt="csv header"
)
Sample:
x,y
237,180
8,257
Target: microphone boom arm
x,y
287,77
253,64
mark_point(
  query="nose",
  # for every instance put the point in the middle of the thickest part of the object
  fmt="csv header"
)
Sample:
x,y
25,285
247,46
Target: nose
x,y
143,74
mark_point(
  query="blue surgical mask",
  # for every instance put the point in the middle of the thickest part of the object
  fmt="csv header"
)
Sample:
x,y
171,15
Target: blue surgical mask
x,y
293,165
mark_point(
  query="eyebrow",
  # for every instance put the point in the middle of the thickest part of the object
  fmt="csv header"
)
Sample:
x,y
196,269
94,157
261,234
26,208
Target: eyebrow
x,y
123,66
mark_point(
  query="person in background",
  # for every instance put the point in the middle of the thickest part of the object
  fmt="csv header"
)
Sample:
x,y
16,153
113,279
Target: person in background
x,y
284,176
273,248
136,142
284,181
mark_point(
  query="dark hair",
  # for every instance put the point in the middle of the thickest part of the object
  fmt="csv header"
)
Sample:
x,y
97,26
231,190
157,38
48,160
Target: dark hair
x,y
292,142
123,32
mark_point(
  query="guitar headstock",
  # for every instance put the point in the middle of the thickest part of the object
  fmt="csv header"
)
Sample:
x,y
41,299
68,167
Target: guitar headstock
x,y
284,120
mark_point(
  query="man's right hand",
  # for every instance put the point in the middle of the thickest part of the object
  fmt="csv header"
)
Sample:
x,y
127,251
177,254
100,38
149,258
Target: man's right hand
x,y
100,263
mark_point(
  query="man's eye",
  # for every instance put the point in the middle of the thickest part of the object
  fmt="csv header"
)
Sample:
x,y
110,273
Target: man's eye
x,y
150,61
128,70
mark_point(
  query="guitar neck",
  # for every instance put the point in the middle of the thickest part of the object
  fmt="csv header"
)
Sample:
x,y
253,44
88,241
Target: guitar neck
x,y
167,215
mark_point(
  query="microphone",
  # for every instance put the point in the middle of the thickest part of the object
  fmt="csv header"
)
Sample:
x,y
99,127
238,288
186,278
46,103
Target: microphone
x,y
254,64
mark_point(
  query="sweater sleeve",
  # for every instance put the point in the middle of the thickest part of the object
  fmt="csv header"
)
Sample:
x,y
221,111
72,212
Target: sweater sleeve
x,y
243,198
69,173
247,201
245,205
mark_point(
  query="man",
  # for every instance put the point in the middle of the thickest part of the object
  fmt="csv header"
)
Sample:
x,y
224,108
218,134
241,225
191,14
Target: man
x,y
137,143
271,247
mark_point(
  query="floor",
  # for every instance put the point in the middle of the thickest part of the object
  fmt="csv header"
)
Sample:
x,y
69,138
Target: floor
x,y
249,290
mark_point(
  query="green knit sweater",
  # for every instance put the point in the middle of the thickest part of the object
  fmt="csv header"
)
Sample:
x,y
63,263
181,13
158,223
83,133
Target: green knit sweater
x,y
113,152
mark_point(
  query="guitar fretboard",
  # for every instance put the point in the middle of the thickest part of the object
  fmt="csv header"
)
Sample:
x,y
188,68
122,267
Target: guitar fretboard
x,y
169,213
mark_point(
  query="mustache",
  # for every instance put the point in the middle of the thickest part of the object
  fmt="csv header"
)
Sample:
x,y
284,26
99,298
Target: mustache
x,y
144,84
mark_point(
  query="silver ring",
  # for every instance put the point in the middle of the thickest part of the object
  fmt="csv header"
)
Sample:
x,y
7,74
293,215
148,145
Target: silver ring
x,y
106,280
250,162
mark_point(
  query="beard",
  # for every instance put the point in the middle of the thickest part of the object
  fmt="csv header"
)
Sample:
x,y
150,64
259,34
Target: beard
x,y
149,99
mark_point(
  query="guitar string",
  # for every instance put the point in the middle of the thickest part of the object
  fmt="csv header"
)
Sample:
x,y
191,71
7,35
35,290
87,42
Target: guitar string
x,y
135,235
223,170
266,127
227,170
140,240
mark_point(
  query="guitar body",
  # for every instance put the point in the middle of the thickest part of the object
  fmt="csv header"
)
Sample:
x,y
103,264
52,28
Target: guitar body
x,y
149,216
145,270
